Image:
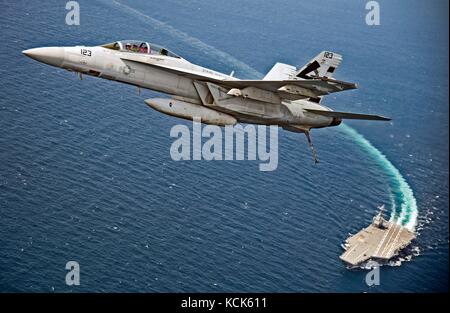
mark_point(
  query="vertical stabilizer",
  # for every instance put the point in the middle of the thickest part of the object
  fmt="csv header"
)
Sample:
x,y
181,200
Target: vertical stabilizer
x,y
323,65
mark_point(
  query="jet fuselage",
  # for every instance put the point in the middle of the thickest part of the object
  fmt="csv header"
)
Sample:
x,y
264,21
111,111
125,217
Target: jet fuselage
x,y
154,71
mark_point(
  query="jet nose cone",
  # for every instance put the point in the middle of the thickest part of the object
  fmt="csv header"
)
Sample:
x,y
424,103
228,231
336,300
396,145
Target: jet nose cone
x,y
49,55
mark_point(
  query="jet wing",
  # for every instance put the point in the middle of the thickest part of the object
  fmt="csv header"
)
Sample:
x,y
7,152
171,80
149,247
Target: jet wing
x,y
288,89
186,73
302,88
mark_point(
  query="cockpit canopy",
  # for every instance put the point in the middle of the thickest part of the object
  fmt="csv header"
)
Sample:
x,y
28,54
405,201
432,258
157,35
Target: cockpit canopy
x,y
142,47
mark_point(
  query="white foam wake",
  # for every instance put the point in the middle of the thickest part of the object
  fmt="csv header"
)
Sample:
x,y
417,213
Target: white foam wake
x,y
403,203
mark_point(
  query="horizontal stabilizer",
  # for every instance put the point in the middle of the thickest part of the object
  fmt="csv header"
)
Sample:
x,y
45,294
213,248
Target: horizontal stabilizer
x,y
348,115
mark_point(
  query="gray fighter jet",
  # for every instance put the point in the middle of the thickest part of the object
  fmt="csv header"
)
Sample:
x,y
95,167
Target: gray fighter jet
x,y
286,96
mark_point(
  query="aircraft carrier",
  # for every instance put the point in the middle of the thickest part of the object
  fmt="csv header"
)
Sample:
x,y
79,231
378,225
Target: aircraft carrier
x,y
380,241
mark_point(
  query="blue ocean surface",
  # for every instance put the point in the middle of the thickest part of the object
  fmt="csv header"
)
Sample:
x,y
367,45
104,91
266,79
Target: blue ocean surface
x,y
86,172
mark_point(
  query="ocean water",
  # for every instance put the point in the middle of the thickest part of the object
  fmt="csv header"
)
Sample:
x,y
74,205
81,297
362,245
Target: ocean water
x,y
86,173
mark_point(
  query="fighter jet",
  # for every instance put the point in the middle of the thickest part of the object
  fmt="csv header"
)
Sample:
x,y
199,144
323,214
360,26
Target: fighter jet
x,y
287,96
